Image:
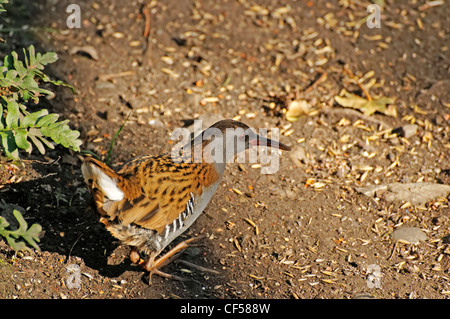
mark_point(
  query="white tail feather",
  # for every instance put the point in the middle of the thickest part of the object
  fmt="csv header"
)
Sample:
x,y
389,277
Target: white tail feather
x,y
106,184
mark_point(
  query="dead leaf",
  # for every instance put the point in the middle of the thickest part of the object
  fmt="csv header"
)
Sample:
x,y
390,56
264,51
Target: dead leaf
x,y
297,109
365,106
87,50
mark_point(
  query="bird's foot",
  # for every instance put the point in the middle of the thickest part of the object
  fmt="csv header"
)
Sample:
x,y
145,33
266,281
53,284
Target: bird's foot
x,y
153,266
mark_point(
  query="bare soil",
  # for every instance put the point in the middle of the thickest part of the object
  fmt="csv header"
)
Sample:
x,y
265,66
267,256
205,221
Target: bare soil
x,y
303,232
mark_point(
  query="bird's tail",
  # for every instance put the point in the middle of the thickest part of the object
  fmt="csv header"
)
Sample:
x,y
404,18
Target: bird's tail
x,y
102,181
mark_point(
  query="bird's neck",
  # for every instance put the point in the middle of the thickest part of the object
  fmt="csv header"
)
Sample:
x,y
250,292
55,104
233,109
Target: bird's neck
x,y
205,152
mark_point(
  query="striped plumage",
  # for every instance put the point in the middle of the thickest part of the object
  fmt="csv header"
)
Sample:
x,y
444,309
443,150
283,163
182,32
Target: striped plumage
x,y
151,200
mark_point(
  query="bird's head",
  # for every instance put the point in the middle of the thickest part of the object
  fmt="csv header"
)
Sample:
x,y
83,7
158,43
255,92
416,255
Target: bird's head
x,y
227,138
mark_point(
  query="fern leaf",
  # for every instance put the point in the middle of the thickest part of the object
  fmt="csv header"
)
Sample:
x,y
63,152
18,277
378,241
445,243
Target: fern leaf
x,y
32,118
47,120
38,144
13,114
18,127
8,144
30,235
21,140
3,223
46,142
62,134
47,58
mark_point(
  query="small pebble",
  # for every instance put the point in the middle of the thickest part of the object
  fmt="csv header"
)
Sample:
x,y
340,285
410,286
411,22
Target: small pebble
x,y
46,187
104,85
412,235
409,130
156,123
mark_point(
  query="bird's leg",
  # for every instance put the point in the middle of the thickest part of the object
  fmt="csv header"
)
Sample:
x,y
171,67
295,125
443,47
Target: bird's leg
x,y
152,265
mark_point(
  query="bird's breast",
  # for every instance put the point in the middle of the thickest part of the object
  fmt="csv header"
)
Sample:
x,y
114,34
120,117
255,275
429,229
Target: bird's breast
x,y
194,208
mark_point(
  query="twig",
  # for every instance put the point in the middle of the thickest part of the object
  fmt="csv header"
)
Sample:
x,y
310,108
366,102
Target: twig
x,y
71,248
393,251
363,89
431,4
146,12
321,78
43,163
107,77
146,34
346,111
197,267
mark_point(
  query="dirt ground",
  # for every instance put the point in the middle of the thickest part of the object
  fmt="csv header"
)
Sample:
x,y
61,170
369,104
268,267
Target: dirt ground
x,y
303,232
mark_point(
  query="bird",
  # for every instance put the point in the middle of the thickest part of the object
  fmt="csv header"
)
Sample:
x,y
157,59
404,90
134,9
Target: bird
x,y
151,200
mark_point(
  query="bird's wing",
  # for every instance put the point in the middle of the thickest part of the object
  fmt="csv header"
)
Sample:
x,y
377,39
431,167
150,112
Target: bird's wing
x,y
156,190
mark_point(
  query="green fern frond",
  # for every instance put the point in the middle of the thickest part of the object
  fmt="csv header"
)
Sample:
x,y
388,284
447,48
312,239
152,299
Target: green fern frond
x,y
20,129
30,235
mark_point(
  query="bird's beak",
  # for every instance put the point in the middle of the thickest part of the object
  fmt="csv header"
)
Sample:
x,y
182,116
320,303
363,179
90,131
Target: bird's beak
x,y
262,141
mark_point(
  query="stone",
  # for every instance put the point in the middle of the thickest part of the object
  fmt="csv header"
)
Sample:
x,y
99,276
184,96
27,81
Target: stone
x,y
415,193
412,235
302,155
408,130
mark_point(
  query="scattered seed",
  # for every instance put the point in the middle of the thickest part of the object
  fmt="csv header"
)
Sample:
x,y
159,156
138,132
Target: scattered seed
x,y
252,223
87,275
211,99
187,271
134,43
118,35
328,273
237,191
312,249
167,60
256,277
170,72
238,246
